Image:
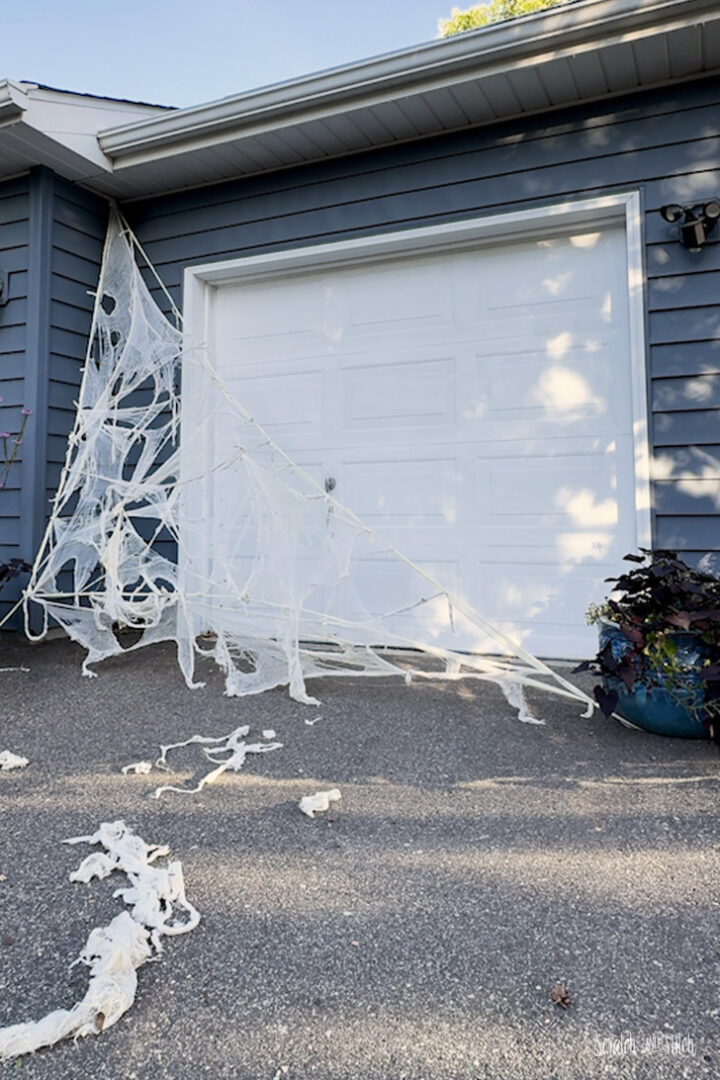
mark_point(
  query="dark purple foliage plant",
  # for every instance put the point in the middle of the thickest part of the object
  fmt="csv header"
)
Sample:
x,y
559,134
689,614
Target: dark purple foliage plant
x,y
660,599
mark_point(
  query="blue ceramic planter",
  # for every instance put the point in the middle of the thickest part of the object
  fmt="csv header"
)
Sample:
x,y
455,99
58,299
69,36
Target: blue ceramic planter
x,y
652,707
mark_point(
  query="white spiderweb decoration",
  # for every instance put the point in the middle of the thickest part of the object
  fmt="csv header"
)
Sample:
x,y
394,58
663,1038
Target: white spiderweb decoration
x,y
279,595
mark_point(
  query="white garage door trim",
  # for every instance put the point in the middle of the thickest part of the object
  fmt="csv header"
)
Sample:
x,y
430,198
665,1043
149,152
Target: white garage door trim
x,y
201,282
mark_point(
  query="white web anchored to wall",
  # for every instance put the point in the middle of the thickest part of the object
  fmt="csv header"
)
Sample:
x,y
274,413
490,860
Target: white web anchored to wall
x,y
279,595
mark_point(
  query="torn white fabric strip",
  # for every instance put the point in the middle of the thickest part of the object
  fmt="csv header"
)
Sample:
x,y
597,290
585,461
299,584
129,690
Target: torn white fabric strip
x,y
9,761
515,696
319,802
233,746
140,768
113,953
282,596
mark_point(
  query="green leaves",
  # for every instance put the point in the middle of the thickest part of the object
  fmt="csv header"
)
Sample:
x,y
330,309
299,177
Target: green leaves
x,y
495,11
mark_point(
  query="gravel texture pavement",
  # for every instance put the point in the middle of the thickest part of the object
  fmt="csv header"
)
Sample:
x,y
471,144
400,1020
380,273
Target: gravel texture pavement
x,y
416,930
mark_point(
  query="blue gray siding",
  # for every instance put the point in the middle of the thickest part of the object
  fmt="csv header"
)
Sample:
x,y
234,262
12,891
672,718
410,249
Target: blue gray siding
x,y
665,143
51,236
14,255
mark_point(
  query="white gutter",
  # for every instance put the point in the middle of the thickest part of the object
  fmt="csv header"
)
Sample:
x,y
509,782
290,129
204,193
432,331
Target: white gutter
x,y
531,40
13,102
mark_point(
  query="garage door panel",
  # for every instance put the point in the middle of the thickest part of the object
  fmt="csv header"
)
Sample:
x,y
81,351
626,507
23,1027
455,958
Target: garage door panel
x,y
386,394
415,492
580,491
536,608
561,392
559,272
383,302
251,318
558,550
387,587
284,400
474,409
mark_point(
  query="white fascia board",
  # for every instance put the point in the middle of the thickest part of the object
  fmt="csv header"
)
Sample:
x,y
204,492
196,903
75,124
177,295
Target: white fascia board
x,y
13,102
579,27
73,121
58,129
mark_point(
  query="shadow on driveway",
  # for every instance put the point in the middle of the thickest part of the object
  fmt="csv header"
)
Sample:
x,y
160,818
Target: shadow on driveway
x,y
416,931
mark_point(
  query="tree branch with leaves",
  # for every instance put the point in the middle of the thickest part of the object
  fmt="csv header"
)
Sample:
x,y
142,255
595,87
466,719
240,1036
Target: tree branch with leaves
x,y
495,11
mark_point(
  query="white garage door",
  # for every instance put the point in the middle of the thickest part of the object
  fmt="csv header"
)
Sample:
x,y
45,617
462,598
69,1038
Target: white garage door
x,y
472,407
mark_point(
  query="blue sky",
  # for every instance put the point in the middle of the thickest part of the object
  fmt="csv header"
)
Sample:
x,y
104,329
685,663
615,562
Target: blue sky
x,y
183,52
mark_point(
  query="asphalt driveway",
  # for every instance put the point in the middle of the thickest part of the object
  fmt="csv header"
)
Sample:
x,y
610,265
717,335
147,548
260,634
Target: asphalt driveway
x,y
416,931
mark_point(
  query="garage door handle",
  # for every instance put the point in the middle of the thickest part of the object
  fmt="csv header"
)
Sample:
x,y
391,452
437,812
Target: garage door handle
x,y
330,484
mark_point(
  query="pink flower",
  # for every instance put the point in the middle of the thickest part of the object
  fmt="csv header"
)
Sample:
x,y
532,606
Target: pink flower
x,y
26,412
5,435
17,442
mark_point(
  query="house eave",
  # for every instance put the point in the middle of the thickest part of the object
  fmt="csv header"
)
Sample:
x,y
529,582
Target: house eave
x,y
579,29
13,102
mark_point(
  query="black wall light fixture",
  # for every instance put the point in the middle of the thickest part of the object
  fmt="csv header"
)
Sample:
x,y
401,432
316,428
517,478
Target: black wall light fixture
x,y
699,221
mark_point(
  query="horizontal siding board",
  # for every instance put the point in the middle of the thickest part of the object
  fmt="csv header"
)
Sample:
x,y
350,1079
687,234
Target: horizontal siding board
x,y
686,428
63,395
68,343
12,391
83,219
15,478
12,365
687,532
60,420
52,477
683,186
684,291
67,369
702,560
10,503
13,208
669,258
67,316
81,197
12,340
76,243
687,462
14,313
9,189
699,324
57,448
10,531
688,497
14,234
71,291
17,283
698,392
685,358
14,260
74,267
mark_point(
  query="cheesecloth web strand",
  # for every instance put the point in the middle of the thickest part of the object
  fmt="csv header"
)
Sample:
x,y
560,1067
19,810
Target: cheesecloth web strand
x,y
283,589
